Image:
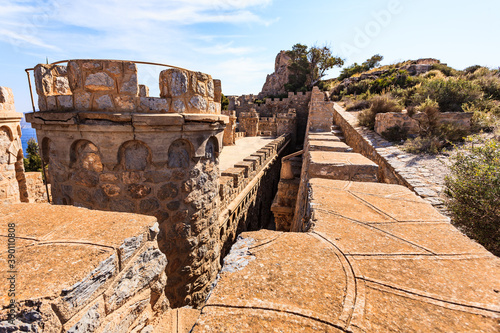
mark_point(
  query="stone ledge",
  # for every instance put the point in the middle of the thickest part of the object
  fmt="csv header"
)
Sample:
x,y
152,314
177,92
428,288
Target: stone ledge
x,y
342,166
67,257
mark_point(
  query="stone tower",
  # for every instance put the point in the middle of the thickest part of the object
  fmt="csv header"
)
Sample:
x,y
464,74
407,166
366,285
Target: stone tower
x,y
110,147
12,177
249,122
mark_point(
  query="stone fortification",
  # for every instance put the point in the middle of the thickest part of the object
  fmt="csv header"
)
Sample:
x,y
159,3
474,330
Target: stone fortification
x,y
108,148
12,178
78,270
274,107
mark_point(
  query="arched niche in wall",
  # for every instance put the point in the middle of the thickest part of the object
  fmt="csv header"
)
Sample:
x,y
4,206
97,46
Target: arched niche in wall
x,y
179,154
212,149
21,177
5,141
85,155
46,151
134,155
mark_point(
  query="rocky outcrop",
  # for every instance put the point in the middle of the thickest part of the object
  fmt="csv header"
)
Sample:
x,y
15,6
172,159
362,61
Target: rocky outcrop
x,y
275,82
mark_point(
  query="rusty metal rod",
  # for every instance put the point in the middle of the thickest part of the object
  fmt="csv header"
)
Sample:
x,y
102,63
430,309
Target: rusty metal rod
x,y
61,61
31,90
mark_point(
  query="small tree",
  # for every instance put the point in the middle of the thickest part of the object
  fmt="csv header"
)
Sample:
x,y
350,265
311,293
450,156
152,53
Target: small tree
x,y
473,190
224,102
309,65
33,162
356,68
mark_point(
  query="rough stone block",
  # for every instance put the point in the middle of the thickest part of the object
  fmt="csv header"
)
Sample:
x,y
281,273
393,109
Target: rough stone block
x,y
143,90
154,104
137,275
99,82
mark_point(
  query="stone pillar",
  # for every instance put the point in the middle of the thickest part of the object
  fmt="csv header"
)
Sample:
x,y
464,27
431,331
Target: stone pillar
x,y
249,122
12,177
230,130
115,150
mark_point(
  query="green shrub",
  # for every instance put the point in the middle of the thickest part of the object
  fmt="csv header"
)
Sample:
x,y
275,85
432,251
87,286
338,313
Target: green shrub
x,y
431,109
424,144
395,134
490,85
449,93
358,105
445,69
473,190
378,104
452,133
33,162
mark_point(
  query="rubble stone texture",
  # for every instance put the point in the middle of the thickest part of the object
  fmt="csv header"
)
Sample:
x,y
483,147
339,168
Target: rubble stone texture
x,y
12,178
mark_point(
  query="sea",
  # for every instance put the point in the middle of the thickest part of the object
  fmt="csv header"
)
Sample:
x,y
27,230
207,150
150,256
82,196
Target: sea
x,y
27,133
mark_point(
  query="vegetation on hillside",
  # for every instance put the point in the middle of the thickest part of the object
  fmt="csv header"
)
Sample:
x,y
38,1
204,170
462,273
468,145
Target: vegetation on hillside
x,y
364,67
308,65
441,89
473,189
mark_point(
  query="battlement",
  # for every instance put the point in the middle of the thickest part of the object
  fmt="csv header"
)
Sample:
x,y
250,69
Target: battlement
x,y
110,85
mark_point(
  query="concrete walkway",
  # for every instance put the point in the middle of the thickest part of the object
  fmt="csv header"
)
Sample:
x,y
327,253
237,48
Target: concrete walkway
x,y
243,148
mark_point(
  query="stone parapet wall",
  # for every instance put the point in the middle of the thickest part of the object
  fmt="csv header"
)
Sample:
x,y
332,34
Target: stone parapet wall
x,y
362,140
79,270
12,178
246,192
386,155
163,165
112,86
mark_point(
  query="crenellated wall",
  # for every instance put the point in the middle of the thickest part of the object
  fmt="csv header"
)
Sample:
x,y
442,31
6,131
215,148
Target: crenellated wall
x,y
12,177
275,106
277,125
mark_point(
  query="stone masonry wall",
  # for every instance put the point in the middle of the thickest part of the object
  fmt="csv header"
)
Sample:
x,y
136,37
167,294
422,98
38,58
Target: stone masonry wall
x,y
82,271
113,153
12,178
274,106
105,85
246,192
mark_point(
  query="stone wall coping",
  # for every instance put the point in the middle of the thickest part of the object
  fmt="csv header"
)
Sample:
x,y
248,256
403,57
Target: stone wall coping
x,y
162,119
67,243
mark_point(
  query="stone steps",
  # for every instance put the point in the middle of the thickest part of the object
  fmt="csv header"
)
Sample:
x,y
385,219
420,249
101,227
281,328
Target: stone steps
x,y
342,166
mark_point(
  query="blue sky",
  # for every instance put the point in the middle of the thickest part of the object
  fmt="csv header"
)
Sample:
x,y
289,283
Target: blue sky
x,y
237,40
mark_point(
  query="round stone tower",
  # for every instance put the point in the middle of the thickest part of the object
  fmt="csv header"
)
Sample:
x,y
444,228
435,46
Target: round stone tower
x,y
109,146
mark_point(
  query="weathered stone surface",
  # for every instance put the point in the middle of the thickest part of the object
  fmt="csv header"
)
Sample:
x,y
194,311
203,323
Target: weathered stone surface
x,y
99,82
198,102
155,104
275,82
144,268
103,103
